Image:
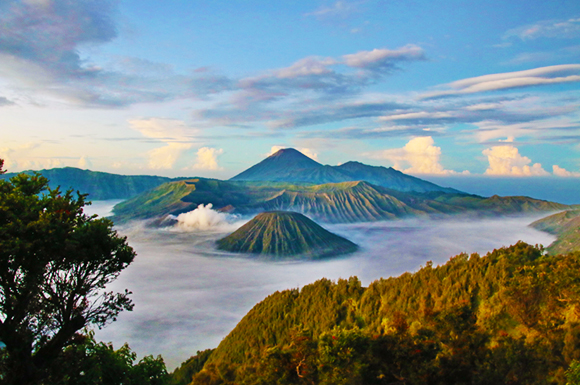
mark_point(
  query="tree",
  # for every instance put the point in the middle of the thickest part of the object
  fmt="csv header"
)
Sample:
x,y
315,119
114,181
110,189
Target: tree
x,y
88,362
55,262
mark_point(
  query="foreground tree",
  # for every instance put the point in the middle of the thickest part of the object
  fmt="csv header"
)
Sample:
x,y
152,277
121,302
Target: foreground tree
x,y
55,262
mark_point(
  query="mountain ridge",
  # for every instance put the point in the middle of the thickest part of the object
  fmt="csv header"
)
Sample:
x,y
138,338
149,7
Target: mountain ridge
x,y
345,202
290,165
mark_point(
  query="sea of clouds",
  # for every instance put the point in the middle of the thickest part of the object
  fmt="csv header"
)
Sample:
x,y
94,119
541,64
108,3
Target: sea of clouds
x,y
188,296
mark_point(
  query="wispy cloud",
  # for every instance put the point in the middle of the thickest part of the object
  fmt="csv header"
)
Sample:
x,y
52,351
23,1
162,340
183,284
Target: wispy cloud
x,y
561,29
557,74
5,102
341,9
384,59
41,45
312,90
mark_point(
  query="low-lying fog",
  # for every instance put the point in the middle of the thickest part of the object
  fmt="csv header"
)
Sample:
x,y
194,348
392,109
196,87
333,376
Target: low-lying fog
x,y
188,295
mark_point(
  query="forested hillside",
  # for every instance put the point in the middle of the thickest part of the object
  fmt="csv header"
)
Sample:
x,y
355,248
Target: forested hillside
x,y
99,185
510,317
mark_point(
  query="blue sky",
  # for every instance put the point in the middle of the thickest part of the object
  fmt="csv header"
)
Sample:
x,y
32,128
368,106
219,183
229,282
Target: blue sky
x,y
434,89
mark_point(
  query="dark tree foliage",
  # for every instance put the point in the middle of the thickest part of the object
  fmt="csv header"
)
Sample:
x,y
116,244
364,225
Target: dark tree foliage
x,y
54,264
87,362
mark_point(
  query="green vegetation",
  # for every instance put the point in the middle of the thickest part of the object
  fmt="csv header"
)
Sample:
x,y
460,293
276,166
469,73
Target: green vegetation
x,y
331,203
87,362
283,235
564,225
510,317
55,263
98,185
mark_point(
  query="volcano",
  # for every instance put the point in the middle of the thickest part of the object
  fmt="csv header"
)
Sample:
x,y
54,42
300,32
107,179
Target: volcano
x,y
291,166
285,235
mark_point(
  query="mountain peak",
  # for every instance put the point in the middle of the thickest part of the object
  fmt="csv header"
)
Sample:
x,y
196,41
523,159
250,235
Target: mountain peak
x,y
284,234
277,166
286,152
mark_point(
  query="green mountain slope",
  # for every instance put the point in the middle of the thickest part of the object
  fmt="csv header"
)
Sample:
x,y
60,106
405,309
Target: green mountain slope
x,y
564,225
291,166
389,177
345,202
99,185
283,235
508,317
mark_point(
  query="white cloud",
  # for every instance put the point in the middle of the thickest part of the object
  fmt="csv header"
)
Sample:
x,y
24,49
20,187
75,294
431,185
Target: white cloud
x,y
506,160
39,163
417,115
383,57
23,157
160,128
340,8
306,67
420,154
563,29
207,159
560,171
6,155
85,163
168,131
166,157
534,77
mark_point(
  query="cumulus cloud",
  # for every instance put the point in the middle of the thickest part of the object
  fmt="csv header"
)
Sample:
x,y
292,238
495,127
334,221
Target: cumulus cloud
x,y
561,29
506,160
165,157
207,159
565,73
560,171
420,154
85,163
173,133
24,157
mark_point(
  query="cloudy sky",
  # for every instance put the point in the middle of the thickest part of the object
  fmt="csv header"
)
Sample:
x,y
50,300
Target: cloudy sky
x,y
208,88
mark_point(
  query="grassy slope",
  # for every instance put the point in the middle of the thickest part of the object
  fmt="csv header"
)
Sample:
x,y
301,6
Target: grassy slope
x,y
564,225
332,203
285,234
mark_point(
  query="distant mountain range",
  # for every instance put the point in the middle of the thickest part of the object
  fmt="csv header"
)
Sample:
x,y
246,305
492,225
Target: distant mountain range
x,y
287,165
291,166
99,185
290,181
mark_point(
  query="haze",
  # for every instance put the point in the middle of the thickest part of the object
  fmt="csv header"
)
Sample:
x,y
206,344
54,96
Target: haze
x,y
188,295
